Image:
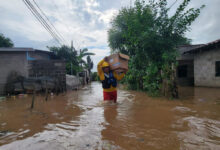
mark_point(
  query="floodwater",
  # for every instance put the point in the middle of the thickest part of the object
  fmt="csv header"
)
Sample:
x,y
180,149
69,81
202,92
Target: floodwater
x,y
79,120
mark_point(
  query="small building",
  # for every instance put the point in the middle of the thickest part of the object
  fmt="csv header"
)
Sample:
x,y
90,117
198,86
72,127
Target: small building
x,y
29,62
199,65
84,76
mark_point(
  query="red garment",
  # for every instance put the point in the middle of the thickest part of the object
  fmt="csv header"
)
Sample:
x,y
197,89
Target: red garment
x,y
110,96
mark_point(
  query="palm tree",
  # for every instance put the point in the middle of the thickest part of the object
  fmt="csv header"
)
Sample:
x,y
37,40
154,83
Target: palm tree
x,y
82,53
89,64
69,55
74,59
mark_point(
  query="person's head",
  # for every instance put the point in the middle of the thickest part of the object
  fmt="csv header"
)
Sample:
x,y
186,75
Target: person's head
x,y
105,67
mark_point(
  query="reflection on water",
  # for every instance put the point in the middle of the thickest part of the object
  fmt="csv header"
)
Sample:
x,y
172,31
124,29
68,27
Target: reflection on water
x,y
79,120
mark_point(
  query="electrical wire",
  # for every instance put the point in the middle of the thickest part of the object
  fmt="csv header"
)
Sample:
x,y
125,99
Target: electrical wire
x,y
49,20
41,20
172,5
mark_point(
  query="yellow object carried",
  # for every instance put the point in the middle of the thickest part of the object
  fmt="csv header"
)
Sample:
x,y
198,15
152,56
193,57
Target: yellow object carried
x,y
105,64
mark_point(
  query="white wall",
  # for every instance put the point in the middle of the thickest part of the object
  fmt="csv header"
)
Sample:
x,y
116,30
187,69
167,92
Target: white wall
x,y
204,68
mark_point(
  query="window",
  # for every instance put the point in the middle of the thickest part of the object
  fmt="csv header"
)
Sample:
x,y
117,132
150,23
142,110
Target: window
x,y
217,68
182,71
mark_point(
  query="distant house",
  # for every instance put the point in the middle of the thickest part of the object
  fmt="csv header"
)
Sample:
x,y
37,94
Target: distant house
x,y
28,62
199,65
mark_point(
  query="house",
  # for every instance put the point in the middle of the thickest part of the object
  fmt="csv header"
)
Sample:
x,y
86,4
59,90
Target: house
x,y
29,62
199,65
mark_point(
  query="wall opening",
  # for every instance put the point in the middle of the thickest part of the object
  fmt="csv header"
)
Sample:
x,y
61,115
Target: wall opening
x,y
182,71
217,68
185,73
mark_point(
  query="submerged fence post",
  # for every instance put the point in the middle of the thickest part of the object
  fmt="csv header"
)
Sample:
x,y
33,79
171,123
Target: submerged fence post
x,y
33,98
46,92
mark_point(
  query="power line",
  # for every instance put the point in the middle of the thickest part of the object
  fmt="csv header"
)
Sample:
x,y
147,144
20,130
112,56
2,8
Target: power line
x,y
44,22
49,21
172,4
41,20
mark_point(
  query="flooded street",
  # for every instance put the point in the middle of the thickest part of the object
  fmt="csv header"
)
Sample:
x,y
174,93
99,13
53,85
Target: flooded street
x,y
79,120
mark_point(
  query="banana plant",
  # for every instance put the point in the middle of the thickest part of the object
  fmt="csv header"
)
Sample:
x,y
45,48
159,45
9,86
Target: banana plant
x,y
82,53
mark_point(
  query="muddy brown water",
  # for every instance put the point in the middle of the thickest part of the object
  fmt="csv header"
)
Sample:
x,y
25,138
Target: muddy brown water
x,y
79,120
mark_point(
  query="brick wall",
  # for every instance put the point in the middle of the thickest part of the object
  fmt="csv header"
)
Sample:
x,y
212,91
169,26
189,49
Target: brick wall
x,y
55,69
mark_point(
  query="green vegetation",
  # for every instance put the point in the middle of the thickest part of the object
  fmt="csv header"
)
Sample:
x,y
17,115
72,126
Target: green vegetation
x,y
74,60
89,64
5,42
95,76
150,37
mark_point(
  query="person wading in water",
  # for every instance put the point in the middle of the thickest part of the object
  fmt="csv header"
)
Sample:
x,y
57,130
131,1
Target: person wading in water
x,y
109,80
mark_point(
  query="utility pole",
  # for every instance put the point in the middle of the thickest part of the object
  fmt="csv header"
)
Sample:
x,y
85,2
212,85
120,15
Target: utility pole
x,y
71,62
71,68
72,45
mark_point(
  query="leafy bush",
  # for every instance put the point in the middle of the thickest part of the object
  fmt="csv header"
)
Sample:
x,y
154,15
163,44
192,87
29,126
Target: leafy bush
x,y
150,37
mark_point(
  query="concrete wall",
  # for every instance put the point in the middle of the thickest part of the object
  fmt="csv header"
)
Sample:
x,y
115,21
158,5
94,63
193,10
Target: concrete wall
x,y
204,68
20,61
39,55
72,82
9,62
55,69
83,76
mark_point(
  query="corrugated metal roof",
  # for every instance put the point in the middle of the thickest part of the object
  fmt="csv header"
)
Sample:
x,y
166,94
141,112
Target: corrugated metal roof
x,y
204,47
15,49
185,48
20,49
44,51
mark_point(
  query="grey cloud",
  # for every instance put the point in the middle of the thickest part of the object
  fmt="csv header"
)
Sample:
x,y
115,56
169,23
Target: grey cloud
x,y
87,16
91,39
84,16
116,4
87,25
22,41
206,27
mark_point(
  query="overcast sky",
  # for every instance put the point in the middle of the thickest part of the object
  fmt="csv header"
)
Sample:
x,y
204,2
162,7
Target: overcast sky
x,y
86,23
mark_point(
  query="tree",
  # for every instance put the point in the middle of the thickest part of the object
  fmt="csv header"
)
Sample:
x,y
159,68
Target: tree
x,y
70,56
95,76
74,60
89,64
5,42
150,37
82,53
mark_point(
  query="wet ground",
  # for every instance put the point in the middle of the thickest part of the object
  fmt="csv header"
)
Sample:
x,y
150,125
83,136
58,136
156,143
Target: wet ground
x,y
79,120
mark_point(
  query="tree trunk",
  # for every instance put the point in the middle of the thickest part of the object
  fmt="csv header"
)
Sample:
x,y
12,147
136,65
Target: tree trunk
x,y
174,87
46,92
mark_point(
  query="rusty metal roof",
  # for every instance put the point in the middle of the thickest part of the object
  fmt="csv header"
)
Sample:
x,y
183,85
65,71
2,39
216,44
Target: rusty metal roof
x,y
204,47
186,48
